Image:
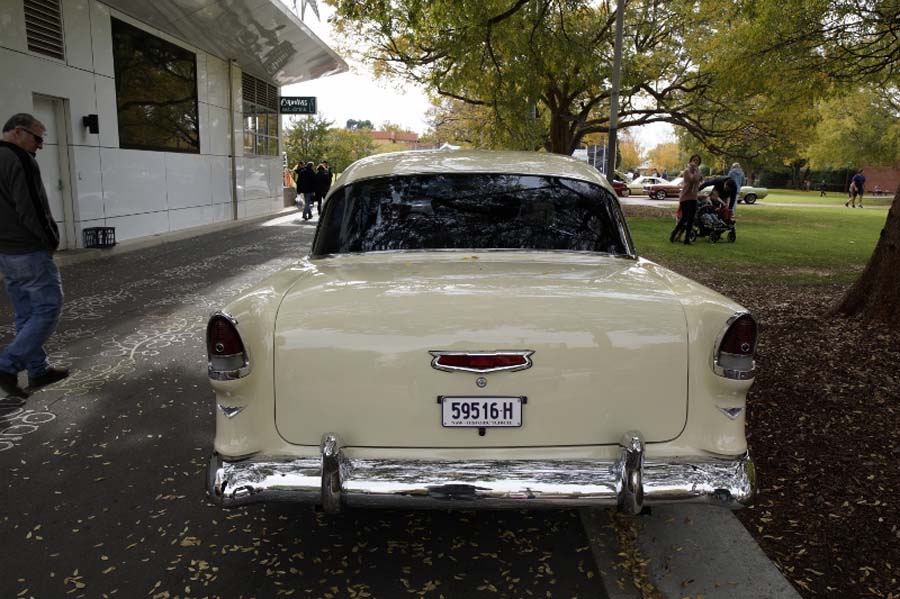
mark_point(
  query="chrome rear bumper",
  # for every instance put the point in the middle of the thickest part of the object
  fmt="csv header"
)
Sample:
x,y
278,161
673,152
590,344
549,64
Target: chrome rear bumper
x,y
629,482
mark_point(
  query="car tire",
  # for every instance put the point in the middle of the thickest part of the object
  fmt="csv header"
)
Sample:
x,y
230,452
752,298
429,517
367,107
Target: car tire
x,y
750,198
660,195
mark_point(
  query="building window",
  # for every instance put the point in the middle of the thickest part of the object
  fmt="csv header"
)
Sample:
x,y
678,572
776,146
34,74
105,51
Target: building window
x,y
260,116
156,92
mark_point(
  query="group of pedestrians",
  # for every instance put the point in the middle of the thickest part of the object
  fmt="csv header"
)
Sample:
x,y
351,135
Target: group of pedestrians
x,y
313,183
725,187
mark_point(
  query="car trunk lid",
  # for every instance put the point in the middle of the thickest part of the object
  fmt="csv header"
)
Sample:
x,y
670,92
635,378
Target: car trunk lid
x,y
353,347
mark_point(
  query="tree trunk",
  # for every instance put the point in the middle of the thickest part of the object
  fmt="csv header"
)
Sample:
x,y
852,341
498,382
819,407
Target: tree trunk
x,y
875,295
560,140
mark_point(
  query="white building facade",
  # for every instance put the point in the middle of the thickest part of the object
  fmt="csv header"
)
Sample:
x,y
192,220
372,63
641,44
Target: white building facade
x,y
161,115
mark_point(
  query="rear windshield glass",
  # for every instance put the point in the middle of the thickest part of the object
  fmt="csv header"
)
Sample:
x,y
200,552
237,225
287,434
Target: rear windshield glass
x,y
471,211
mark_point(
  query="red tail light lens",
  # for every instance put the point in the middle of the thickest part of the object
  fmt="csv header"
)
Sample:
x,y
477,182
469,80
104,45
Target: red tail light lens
x,y
222,338
481,362
741,337
225,350
734,356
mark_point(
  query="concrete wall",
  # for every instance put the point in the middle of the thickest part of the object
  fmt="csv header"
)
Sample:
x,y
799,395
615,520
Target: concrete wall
x,y
138,192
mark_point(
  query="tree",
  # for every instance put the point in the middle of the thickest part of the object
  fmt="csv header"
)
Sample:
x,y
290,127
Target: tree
x,y
666,156
459,123
346,147
630,151
540,69
353,124
306,139
840,43
856,129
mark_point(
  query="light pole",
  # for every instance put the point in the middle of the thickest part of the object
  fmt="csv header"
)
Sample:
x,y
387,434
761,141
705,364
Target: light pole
x,y
614,98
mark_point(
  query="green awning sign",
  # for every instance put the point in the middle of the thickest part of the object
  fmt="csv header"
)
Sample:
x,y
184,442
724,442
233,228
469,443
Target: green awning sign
x,y
298,105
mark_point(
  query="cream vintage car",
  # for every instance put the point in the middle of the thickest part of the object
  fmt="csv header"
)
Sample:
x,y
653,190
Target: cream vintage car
x,y
475,329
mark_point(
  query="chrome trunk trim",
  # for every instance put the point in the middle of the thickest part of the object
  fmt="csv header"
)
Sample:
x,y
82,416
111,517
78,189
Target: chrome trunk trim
x,y
523,353
630,482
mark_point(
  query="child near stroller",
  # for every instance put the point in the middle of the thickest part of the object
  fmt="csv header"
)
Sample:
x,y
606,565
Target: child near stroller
x,y
714,219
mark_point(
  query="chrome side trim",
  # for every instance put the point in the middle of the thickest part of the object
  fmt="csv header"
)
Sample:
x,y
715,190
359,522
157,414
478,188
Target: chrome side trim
x,y
472,484
525,353
227,375
730,373
731,413
230,411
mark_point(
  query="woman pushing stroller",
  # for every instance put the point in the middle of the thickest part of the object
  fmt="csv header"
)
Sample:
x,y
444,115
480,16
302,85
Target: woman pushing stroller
x,y
687,199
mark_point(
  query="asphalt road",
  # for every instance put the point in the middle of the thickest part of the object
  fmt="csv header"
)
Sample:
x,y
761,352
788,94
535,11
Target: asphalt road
x,y
102,475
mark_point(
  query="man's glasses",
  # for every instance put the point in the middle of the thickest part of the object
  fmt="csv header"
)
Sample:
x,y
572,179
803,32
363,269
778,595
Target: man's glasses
x,y
37,138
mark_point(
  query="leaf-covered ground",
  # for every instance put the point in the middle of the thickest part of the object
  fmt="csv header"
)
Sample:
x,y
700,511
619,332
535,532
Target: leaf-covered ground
x,y
824,430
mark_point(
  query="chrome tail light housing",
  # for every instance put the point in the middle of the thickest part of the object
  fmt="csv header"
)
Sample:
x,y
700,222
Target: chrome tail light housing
x,y
227,356
736,347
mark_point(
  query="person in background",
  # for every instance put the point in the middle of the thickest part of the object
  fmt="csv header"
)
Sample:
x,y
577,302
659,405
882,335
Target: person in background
x,y
822,189
306,188
736,173
665,174
687,199
857,189
323,184
28,238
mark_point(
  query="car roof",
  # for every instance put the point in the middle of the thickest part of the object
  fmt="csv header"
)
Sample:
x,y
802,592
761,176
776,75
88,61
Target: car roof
x,y
420,162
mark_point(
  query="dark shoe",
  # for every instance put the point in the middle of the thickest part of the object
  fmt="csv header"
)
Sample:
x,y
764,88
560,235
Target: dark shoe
x,y
10,384
50,376
672,236
11,402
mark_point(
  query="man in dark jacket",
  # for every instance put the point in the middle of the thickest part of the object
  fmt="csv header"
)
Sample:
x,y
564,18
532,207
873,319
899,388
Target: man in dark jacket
x,y
28,238
306,187
323,184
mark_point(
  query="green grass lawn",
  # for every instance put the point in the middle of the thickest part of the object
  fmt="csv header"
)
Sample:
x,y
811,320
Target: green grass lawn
x,y
787,244
792,196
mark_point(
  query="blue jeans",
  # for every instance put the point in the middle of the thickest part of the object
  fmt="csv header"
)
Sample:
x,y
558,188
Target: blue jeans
x,y
308,199
35,289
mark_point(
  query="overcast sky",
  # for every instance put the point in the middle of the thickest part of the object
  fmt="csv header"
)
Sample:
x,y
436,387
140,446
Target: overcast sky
x,y
358,95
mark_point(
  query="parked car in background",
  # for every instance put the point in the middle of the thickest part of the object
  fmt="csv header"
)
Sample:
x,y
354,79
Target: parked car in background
x,y
621,188
474,330
637,187
749,194
661,191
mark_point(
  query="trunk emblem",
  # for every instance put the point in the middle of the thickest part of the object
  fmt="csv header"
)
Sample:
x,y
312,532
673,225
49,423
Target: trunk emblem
x,y
481,382
481,361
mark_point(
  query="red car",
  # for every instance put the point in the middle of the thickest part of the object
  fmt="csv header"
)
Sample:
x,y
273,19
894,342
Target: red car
x,y
621,189
662,191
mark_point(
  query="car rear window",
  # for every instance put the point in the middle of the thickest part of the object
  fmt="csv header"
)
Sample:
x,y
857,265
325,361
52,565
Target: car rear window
x,y
471,211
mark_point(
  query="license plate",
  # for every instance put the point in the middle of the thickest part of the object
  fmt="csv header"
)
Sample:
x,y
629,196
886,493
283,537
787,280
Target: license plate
x,y
475,411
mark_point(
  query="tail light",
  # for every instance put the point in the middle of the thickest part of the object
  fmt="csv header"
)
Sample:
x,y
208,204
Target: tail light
x,y
736,347
227,357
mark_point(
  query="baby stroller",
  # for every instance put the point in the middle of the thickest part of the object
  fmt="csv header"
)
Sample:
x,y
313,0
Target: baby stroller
x,y
713,220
